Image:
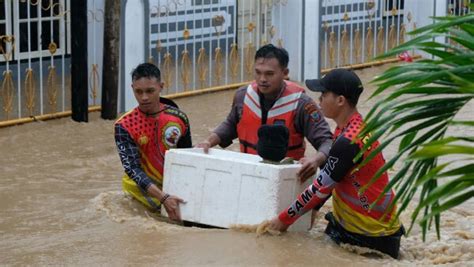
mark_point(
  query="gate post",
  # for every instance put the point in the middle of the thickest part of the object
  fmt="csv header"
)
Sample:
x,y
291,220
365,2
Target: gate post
x,y
111,56
79,70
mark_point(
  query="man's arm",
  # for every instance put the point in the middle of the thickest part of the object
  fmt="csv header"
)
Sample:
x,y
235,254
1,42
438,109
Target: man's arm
x,y
313,125
130,157
338,164
310,121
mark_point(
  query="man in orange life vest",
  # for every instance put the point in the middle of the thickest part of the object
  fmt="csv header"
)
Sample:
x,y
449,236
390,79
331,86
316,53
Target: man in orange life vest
x,y
352,221
144,134
271,100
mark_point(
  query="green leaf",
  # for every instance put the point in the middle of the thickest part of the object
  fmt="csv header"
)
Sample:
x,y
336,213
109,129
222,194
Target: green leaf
x,y
466,123
455,201
441,150
407,140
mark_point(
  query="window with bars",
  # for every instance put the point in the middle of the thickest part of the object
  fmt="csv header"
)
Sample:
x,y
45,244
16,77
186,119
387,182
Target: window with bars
x,y
39,28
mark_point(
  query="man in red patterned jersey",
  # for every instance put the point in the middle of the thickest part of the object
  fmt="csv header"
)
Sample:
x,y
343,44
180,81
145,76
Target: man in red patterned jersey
x,y
353,220
271,100
144,134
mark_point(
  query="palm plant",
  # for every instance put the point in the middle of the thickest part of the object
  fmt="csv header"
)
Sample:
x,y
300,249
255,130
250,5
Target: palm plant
x,y
421,106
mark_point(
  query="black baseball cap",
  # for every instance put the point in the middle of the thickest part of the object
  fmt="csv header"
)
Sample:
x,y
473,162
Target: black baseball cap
x,y
339,81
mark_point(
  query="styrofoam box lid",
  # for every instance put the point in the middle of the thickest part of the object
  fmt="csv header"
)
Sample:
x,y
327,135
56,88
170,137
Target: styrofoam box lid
x,y
229,187
220,154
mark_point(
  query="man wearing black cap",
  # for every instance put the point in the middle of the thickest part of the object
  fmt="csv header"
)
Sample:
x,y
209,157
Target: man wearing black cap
x,y
353,220
271,100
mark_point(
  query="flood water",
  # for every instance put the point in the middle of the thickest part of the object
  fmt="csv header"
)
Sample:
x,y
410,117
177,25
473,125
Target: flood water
x,y
62,204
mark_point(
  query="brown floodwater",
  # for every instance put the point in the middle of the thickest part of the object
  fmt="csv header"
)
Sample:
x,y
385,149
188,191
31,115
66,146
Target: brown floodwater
x,y
62,204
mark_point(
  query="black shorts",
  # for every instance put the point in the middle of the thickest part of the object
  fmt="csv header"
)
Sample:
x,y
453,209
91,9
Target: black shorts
x,y
387,244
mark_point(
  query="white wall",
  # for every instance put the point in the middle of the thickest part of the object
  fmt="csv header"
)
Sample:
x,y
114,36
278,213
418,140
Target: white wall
x,y
312,26
291,33
134,39
422,12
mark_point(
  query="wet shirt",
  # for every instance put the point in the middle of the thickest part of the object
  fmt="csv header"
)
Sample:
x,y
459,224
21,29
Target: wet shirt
x,y
309,121
337,178
129,150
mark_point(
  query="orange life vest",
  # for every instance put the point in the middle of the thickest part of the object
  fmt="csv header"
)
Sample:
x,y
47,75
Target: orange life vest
x,y
283,111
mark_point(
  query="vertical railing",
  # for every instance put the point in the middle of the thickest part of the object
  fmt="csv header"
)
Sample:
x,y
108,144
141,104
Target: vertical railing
x,y
355,32
204,44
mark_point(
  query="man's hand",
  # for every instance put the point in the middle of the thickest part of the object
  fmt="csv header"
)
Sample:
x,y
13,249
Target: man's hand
x,y
277,225
171,205
310,165
205,146
308,169
314,215
211,141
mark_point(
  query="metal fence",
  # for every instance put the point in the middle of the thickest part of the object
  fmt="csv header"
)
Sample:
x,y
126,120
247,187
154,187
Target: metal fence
x,y
35,57
198,44
34,62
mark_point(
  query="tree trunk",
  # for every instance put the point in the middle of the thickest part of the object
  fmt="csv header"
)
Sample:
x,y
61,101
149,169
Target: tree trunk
x,y
110,69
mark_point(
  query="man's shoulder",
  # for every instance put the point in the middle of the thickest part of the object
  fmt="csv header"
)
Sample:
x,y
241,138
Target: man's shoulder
x,y
125,116
240,94
241,90
174,111
353,128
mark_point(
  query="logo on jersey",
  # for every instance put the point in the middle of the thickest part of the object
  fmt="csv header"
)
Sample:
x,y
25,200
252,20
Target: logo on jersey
x,y
171,135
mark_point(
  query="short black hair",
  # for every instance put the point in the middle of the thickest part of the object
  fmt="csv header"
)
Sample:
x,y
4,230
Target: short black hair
x,y
146,70
271,51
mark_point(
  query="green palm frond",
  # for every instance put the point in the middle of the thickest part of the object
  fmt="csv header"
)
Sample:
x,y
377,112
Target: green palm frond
x,y
420,104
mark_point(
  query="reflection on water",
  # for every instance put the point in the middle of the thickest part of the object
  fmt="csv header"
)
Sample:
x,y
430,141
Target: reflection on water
x,y
61,203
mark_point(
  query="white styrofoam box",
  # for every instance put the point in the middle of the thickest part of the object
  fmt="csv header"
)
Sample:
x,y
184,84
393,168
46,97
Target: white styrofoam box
x,y
225,187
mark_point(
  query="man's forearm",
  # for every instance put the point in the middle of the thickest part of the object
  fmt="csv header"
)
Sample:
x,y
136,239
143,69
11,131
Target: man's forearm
x,y
320,158
213,140
155,192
